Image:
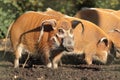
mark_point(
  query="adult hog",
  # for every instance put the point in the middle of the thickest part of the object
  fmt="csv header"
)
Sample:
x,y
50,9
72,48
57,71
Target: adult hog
x,y
41,34
93,43
106,21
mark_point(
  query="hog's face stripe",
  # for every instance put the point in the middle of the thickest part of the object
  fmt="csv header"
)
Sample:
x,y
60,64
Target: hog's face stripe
x,y
62,33
64,39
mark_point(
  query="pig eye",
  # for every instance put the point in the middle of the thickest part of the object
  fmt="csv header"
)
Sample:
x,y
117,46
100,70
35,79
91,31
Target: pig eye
x,y
61,31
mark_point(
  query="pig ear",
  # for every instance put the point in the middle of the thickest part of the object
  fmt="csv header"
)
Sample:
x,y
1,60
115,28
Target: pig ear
x,y
103,40
75,23
49,25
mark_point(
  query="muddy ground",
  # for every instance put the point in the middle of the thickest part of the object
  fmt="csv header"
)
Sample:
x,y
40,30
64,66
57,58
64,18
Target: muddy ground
x,y
73,68
77,70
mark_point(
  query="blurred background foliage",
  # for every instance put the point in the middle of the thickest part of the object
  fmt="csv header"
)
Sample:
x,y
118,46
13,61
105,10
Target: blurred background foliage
x,y
12,9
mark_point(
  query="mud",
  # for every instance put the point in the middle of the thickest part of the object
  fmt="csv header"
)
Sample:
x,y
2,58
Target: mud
x,y
75,70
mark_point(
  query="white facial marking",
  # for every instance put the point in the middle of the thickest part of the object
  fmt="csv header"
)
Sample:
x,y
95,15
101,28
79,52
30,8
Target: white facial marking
x,y
66,33
57,42
61,36
70,34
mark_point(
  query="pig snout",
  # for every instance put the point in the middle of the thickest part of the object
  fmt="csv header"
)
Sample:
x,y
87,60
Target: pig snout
x,y
68,44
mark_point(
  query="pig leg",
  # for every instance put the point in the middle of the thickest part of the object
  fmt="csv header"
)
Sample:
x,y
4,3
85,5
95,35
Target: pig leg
x,y
56,60
46,59
89,53
88,59
102,56
18,53
88,56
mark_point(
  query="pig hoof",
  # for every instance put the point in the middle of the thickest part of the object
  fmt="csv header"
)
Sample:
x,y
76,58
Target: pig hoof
x,y
55,66
49,65
16,63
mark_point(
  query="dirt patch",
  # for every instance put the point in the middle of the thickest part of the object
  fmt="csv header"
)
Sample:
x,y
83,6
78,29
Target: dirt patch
x,y
71,71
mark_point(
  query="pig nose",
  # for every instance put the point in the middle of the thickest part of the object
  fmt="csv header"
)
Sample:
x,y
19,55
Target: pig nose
x,y
68,44
69,49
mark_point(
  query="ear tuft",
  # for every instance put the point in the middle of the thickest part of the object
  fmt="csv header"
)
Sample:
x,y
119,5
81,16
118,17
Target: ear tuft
x,y
105,40
49,24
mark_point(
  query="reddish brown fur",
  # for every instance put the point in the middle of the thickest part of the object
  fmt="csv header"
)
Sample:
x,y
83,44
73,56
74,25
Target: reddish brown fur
x,y
88,41
25,33
116,12
105,20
